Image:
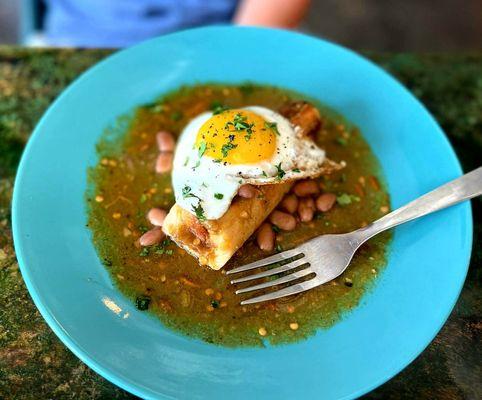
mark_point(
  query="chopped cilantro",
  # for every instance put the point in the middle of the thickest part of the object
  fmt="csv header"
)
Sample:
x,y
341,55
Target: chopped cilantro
x,y
169,252
296,170
275,228
142,228
176,115
215,104
214,303
281,173
246,88
154,107
217,107
198,163
273,126
264,174
144,252
218,196
341,141
202,148
187,192
107,262
161,247
199,211
279,248
186,161
227,147
239,124
142,302
143,198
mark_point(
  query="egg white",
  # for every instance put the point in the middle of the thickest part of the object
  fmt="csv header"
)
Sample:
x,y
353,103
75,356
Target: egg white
x,y
206,180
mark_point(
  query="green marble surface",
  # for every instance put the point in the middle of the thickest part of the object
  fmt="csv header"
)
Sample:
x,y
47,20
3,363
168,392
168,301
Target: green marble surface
x,y
34,364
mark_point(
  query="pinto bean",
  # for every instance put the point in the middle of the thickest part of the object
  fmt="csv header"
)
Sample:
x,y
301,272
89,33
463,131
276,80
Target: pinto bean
x,y
164,163
289,203
154,236
325,202
306,209
283,220
247,191
156,216
165,141
265,237
306,188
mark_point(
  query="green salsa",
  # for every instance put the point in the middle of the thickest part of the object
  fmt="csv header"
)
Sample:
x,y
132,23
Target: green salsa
x,y
196,301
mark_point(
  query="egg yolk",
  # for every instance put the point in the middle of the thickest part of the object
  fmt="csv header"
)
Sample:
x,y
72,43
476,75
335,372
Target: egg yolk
x,y
238,137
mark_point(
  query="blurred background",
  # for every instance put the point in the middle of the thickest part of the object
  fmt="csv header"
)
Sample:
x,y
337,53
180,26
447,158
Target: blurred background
x,y
386,25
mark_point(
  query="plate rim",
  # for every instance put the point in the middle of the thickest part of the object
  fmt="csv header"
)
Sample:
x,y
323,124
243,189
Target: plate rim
x,y
125,382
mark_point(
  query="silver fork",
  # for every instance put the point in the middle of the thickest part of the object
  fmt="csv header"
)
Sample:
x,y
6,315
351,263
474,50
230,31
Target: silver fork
x,y
326,257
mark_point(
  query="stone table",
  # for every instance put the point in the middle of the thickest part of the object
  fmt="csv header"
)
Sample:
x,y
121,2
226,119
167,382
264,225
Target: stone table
x,y
34,364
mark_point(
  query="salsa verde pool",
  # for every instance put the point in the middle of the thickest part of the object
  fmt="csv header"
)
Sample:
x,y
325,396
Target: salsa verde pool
x,y
196,301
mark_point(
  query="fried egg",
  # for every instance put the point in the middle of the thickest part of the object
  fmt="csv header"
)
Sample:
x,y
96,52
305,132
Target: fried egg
x,y
217,153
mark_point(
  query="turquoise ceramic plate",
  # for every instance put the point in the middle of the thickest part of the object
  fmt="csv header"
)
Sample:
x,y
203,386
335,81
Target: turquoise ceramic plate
x,y
412,299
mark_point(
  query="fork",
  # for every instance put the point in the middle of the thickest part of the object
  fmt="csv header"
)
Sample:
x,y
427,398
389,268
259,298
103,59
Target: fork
x,y
326,257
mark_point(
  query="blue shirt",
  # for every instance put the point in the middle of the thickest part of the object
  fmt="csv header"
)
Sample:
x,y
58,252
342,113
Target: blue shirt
x,y
120,23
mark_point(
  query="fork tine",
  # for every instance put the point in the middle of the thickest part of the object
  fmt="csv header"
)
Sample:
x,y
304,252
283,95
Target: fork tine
x,y
279,281
273,271
265,261
288,291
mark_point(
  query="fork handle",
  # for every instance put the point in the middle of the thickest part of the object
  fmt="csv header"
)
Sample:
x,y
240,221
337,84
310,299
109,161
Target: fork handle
x,y
456,191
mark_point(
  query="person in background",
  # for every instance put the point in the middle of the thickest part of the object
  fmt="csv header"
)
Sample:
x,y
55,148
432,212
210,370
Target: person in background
x,y
120,23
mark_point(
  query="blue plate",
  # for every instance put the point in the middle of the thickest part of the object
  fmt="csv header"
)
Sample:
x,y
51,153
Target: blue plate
x,y
412,299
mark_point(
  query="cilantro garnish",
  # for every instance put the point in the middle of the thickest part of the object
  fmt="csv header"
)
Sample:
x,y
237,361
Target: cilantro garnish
x,y
273,126
218,196
217,107
239,124
296,170
161,248
199,211
186,192
246,88
227,147
144,252
281,173
202,148
177,115
154,107
142,302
